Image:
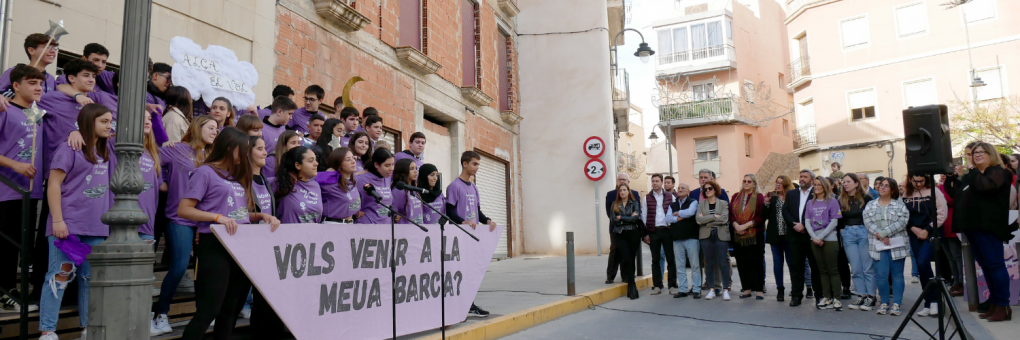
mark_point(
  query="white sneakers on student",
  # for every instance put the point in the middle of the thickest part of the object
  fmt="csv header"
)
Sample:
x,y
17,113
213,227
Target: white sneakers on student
x,y
656,290
674,291
932,311
84,334
50,336
711,294
726,295
160,325
187,285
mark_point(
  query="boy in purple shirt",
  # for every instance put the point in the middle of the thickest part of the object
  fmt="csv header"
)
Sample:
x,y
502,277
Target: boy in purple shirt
x,y
373,126
463,204
350,119
415,149
276,123
313,97
278,91
16,151
60,121
97,55
34,44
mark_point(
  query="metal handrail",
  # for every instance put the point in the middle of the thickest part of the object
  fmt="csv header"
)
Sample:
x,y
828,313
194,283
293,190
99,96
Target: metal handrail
x,y
799,68
24,246
621,84
805,136
697,109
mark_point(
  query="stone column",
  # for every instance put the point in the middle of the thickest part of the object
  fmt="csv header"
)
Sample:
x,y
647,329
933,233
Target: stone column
x,y
120,299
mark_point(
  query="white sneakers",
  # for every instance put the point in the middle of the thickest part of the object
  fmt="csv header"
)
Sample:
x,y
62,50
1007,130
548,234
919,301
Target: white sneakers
x,y
932,311
726,295
711,294
186,285
160,325
656,290
84,334
674,291
50,336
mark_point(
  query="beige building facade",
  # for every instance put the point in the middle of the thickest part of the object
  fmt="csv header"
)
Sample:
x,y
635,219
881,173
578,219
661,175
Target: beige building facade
x,y
856,65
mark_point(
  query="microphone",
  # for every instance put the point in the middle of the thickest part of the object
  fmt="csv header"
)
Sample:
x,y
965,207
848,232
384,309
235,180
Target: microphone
x,y
369,189
403,186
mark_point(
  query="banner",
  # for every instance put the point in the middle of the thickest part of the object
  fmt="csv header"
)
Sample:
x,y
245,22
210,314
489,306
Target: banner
x,y
212,72
332,281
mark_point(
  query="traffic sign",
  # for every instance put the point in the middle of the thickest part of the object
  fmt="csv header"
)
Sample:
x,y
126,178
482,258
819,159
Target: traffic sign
x,y
594,147
595,169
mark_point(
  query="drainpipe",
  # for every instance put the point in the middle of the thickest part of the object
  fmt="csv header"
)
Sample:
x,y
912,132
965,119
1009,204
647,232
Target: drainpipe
x,y
891,151
8,5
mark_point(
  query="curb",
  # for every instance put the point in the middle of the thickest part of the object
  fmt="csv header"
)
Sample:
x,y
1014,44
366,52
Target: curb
x,y
531,317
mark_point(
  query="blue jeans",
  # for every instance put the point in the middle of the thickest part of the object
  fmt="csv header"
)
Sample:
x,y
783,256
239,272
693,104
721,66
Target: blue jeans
x,y
179,240
687,250
715,258
807,274
855,243
923,252
778,257
49,309
989,254
885,267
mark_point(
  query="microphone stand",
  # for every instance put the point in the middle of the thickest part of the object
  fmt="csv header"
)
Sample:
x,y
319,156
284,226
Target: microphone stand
x,y
393,254
442,259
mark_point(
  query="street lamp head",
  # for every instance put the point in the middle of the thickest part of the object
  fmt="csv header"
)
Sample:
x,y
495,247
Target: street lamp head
x,y
977,82
644,52
653,137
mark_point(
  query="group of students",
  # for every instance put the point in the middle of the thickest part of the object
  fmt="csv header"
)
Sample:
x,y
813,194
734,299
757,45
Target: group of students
x,y
201,166
830,231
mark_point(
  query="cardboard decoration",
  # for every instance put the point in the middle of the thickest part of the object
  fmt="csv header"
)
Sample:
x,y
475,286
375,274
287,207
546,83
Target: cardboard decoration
x,y
212,72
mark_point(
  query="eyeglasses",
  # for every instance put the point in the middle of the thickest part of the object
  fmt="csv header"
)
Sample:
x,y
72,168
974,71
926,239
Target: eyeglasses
x,y
980,152
884,186
311,99
748,182
918,181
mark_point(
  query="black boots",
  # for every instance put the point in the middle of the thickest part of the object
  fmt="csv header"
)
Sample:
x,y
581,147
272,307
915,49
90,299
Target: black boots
x,y
780,296
632,291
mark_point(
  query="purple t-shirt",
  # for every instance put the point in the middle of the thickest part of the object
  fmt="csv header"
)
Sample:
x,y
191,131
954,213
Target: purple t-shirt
x,y
104,82
217,195
430,215
264,112
179,160
16,144
263,197
269,170
302,205
300,119
406,154
149,198
337,203
346,139
375,213
158,130
821,213
270,133
5,82
84,195
464,196
358,166
405,203
62,117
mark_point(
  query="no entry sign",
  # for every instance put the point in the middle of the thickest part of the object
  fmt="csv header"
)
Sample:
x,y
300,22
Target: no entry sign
x,y
594,147
595,169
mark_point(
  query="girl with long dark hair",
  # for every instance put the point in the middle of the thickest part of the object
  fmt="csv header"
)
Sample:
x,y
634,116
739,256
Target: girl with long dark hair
x,y
288,140
220,192
78,196
886,219
181,160
341,202
626,212
298,194
852,201
428,178
377,173
361,145
405,202
920,228
747,217
328,140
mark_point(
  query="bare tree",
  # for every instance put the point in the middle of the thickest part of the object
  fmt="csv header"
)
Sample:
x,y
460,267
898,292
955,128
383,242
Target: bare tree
x,y
994,121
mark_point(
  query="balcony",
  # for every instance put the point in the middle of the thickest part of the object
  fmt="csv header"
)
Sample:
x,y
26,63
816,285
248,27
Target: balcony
x,y
702,112
621,98
698,60
341,13
805,139
800,72
626,161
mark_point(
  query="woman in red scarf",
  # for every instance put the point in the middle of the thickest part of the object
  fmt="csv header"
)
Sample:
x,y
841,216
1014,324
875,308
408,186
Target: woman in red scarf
x,y
747,217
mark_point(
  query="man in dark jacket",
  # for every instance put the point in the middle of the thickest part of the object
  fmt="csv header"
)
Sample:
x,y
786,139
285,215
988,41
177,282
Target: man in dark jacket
x,y
800,242
614,261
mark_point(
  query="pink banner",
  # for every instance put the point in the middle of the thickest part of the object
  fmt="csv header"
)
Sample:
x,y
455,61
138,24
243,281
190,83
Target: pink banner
x,y
332,281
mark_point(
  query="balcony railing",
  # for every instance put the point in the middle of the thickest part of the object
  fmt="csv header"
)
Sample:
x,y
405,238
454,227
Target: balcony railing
x,y
626,160
805,136
799,70
621,84
697,109
675,57
708,52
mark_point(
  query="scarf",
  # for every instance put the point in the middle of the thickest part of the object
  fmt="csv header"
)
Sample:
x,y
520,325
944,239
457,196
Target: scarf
x,y
423,180
743,208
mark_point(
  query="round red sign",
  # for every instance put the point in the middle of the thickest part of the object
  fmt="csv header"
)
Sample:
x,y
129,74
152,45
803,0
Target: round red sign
x,y
595,169
594,147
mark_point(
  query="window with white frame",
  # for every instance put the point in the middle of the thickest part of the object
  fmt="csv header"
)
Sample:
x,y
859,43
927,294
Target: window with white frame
x,y
995,83
854,31
912,19
707,149
919,92
703,91
806,113
729,28
977,10
862,104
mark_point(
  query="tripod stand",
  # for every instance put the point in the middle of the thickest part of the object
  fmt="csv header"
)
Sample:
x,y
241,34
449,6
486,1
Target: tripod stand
x,y
937,283
442,260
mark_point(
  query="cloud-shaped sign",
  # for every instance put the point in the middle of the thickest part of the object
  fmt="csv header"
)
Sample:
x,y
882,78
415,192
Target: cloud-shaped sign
x,y
212,72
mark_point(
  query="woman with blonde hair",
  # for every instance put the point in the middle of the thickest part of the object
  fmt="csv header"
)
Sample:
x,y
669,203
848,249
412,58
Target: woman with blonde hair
x,y
747,217
626,212
775,231
821,216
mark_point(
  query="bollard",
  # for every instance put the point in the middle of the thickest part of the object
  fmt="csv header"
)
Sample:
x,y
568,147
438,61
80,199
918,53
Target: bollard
x,y
969,274
570,263
638,266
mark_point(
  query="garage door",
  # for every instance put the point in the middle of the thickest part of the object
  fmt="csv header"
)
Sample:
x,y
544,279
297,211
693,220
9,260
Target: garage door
x,y
492,183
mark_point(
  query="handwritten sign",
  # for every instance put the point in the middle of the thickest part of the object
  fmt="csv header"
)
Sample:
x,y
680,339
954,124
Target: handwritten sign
x,y
201,63
332,282
212,72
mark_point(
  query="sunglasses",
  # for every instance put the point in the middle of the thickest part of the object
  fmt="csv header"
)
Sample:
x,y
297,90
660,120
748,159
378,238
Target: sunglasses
x,y
748,182
709,189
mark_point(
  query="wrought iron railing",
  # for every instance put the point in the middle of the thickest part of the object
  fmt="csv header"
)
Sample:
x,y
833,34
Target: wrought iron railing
x,y
708,52
799,68
805,136
621,84
697,109
675,57
626,160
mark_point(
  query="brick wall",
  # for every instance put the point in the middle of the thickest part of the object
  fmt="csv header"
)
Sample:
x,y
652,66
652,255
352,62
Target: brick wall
x,y
443,36
483,135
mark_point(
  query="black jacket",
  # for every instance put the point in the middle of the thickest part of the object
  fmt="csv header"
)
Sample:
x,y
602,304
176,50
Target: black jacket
x,y
688,227
981,202
771,222
611,196
791,211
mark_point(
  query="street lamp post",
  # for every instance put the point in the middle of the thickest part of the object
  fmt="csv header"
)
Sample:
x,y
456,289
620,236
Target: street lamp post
x,y
120,288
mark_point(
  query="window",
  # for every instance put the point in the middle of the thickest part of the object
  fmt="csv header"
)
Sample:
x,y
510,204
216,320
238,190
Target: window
x,y
995,84
862,104
703,91
786,127
729,28
505,71
806,113
747,145
854,32
665,41
919,92
410,23
469,47
707,149
978,10
912,19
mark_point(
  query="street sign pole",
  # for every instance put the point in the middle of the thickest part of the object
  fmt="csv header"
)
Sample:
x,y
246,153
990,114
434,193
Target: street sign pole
x,y
598,221
595,169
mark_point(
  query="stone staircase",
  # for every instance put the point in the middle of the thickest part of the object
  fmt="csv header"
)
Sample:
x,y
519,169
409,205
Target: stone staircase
x,y
774,165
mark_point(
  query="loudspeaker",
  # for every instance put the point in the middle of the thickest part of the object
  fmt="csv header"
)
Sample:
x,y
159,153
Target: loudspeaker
x,y
929,149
